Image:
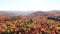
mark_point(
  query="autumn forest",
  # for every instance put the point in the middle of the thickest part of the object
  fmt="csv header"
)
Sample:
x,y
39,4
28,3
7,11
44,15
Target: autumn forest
x,y
38,22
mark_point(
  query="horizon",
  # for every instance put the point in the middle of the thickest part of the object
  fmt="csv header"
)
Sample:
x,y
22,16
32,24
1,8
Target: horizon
x,y
31,10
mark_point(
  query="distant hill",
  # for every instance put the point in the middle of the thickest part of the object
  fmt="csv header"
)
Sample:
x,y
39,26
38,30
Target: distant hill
x,y
47,13
7,13
52,15
23,13
41,13
32,13
55,11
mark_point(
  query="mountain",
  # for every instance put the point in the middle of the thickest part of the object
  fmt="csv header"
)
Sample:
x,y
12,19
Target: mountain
x,y
47,13
55,11
40,13
23,13
31,13
7,13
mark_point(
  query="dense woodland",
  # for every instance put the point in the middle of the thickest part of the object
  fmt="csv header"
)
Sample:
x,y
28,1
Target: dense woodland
x,y
35,23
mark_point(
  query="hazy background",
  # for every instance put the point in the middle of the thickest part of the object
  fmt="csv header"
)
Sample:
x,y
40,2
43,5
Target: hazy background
x,y
29,5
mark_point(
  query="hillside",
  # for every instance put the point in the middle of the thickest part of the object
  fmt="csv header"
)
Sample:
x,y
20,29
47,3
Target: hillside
x,y
52,15
23,13
55,11
39,22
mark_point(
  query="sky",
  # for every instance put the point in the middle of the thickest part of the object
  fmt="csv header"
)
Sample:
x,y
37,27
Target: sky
x,y
29,5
